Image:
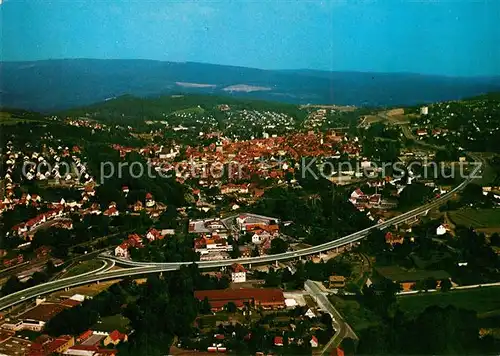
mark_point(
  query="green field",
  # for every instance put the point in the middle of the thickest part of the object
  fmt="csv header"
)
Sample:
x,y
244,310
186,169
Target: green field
x,y
484,301
114,322
7,119
398,274
83,267
476,218
193,110
357,316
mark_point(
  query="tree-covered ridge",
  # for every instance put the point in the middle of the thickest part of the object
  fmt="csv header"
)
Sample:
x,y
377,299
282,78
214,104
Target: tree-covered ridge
x,y
158,108
471,124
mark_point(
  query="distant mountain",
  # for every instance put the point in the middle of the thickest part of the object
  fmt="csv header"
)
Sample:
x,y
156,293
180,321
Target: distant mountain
x,y
60,84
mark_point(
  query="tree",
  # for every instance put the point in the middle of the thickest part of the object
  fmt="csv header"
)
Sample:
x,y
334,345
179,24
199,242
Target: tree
x,y
12,285
414,194
349,346
430,283
278,245
273,278
205,308
495,239
374,243
231,307
235,252
445,285
255,252
472,193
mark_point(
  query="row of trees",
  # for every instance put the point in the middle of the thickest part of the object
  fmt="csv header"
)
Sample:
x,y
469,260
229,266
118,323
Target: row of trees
x,y
436,331
320,211
303,271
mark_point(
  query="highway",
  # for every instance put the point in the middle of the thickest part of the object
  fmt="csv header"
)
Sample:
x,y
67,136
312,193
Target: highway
x,y
87,278
144,267
310,250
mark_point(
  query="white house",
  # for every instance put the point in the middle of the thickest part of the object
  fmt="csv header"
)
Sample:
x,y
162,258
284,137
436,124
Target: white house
x,y
150,202
441,230
238,273
154,234
357,193
314,341
122,250
310,314
256,239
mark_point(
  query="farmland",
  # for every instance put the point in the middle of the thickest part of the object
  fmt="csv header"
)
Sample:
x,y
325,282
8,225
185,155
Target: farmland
x,y
398,274
482,300
477,218
114,322
9,119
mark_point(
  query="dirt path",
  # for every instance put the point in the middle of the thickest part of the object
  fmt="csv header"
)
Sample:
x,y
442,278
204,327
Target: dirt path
x,y
450,223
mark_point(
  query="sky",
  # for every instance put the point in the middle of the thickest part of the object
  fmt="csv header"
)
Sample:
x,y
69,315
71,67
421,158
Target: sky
x,y
445,37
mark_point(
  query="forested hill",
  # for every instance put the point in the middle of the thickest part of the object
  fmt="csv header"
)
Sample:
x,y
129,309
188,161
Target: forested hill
x,y
156,108
53,85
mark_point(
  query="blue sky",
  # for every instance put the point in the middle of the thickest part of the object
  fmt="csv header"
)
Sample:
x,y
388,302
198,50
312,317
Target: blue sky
x,y
450,37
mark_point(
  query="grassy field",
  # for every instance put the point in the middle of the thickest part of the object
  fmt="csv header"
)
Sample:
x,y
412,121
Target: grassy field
x,y
210,321
193,110
7,119
114,322
89,290
357,316
484,301
396,273
489,175
476,218
83,267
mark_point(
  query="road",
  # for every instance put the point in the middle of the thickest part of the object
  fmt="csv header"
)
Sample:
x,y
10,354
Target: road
x,y
342,329
87,278
144,267
470,286
28,265
354,237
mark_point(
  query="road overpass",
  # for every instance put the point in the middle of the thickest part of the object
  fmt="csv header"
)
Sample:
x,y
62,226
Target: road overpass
x,y
138,268
310,250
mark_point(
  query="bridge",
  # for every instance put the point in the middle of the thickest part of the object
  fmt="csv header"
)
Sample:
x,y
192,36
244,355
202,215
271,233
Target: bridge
x,y
140,268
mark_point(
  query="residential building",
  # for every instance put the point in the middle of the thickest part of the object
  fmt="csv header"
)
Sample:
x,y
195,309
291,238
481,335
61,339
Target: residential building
x,y
393,239
52,346
153,235
335,282
150,202
122,250
278,341
238,273
115,337
441,230
408,279
256,297
314,341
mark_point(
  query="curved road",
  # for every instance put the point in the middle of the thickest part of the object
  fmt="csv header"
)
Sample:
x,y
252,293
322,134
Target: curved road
x,y
310,250
143,267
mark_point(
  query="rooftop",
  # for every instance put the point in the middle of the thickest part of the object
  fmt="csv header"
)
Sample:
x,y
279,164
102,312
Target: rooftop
x,y
219,298
397,274
43,312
